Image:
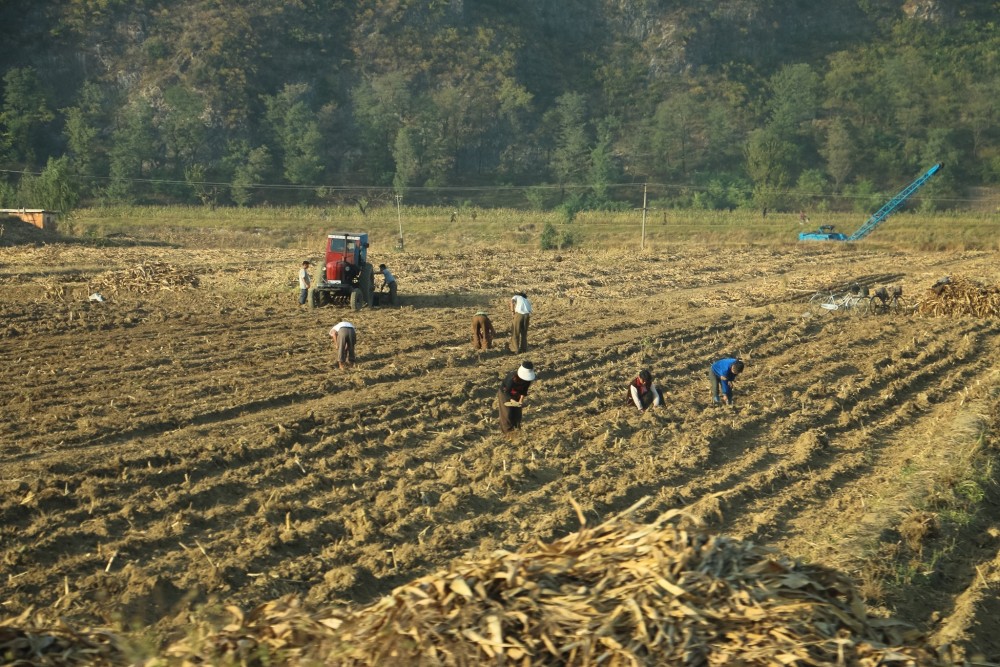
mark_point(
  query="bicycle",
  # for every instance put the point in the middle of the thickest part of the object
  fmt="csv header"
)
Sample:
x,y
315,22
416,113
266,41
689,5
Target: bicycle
x,y
854,300
888,301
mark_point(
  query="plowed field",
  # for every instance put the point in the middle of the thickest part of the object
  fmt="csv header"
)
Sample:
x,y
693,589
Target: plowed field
x,y
172,448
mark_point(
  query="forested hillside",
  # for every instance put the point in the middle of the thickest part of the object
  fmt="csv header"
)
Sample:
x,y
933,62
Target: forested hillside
x,y
767,103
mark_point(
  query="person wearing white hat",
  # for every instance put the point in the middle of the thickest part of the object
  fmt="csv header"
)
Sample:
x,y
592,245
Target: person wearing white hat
x,y
511,396
520,308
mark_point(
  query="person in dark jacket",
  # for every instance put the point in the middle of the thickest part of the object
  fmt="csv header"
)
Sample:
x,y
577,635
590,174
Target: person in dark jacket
x,y
482,331
511,396
643,393
721,376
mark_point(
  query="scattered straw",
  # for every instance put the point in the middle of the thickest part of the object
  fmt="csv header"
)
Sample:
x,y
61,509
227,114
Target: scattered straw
x,y
958,296
143,278
621,593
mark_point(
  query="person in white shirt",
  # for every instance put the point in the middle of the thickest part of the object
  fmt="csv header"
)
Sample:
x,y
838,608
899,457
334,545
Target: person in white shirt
x,y
305,281
643,392
520,308
344,339
388,280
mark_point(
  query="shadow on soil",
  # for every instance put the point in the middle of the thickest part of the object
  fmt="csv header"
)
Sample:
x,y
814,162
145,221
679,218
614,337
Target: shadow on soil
x,y
439,301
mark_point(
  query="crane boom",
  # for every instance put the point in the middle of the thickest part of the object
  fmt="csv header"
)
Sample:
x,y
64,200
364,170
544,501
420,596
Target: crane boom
x,y
826,232
879,217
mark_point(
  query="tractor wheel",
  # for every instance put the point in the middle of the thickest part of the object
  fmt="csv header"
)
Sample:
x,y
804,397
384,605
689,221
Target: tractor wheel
x,y
367,283
313,299
357,299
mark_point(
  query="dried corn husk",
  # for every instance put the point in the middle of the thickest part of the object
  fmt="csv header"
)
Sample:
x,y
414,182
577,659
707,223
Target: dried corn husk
x,y
59,645
143,278
959,296
621,593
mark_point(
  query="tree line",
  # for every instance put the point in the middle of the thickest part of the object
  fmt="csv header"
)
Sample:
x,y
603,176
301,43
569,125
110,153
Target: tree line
x,y
761,104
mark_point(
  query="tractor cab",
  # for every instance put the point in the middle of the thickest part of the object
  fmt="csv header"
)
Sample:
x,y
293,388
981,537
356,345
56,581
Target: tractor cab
x,y
825,233
346,274
346,254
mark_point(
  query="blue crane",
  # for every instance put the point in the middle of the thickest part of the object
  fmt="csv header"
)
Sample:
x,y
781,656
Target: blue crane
x,y
826,232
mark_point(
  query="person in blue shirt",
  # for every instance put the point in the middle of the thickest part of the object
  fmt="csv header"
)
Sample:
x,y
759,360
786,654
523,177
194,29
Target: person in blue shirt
x,y
721,375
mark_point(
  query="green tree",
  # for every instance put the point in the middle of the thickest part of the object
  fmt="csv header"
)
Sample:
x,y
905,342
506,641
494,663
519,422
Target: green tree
x,y
134,146
810,190
722,135
940,147
182,127
855,89
980,113
82,132
380,105
839,152
570,159
767,156
794,99
55,189
81,140
296,128
251,166
24,115
673,137
407,164
603,170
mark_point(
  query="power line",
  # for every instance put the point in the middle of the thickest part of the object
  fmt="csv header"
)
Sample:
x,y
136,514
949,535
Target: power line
x,y
676,187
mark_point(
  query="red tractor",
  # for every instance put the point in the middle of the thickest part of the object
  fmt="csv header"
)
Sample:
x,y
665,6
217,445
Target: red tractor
x,y
346,276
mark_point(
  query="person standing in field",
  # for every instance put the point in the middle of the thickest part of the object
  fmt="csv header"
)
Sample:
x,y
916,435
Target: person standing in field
x,y
520,309
482,331
388,280
344,339
643,393
305,282
721,376
511,396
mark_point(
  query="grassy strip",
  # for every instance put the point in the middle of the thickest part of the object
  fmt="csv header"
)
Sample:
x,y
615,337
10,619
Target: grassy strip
x,y
434,227
951,508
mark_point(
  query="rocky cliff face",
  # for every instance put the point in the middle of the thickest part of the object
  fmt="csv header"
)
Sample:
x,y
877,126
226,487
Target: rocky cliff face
x,y
927,10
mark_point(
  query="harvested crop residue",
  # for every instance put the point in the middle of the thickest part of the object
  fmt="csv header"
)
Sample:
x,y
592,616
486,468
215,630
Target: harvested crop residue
x,y
170,452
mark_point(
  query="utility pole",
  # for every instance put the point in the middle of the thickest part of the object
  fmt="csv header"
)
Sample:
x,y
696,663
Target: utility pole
x,y
399,218
642,243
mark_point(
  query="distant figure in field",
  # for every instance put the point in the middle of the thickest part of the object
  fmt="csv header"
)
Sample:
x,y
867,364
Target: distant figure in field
x,y
721,375
482,331
305,281
520,309
803,218
344,339
643,393
511,396
388,280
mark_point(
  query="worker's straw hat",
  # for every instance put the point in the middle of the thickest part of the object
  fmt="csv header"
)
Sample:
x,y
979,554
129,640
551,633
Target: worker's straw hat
x,y
526,372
